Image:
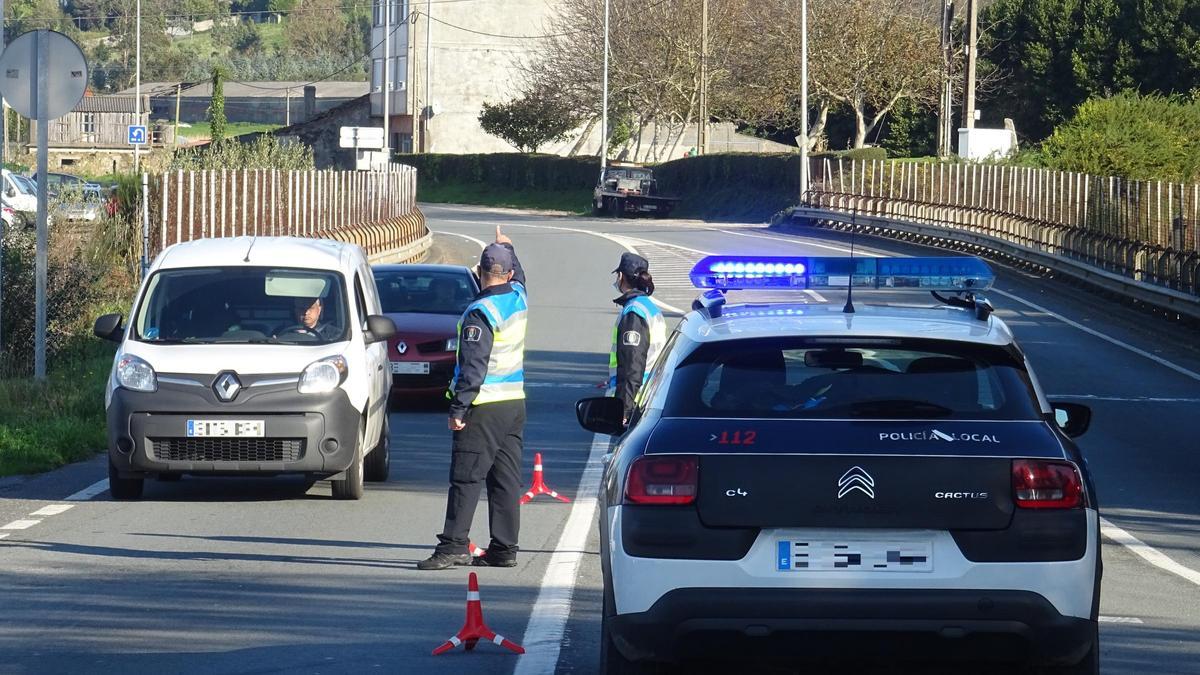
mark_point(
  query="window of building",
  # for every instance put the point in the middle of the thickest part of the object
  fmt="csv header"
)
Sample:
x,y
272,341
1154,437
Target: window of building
x,y
377,12
402,142
88,126
377,75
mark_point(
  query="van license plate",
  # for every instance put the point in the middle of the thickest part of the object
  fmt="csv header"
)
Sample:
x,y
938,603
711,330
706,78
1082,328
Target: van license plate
x,y
410,367
225,428
859,556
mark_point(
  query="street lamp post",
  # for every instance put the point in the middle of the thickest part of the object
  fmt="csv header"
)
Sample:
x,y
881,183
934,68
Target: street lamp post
x,y
137,85
804,99
604,102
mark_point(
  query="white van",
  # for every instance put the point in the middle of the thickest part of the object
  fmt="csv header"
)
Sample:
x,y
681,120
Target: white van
x,y
251,356
20,194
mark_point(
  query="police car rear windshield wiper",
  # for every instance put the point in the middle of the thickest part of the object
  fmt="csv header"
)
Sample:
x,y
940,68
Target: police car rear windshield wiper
x,y
898,408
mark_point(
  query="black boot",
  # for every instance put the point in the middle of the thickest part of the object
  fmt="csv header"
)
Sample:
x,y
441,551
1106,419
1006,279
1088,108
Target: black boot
x,y
490,559
444,561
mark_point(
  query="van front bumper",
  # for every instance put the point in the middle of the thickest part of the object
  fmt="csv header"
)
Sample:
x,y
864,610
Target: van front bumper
x,y
303,433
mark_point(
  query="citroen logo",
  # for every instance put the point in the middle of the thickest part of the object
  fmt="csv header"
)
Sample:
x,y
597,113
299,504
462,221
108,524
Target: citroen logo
x,y
858,479
401,347
226,386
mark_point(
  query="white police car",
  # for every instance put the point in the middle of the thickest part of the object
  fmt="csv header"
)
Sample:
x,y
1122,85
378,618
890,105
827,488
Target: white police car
x,y
878,483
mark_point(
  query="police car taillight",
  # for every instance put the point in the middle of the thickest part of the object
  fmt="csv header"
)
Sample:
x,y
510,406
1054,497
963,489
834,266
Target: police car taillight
x,y
670,479
1041,484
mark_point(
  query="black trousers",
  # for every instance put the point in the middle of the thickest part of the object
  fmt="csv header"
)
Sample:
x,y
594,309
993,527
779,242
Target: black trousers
x,y
486,452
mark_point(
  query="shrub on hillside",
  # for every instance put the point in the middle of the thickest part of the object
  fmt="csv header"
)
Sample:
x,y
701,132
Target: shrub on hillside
x,y
1132,136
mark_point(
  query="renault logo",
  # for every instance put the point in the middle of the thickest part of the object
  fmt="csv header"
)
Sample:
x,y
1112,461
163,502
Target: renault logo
x,y
401,347
858,479
226,386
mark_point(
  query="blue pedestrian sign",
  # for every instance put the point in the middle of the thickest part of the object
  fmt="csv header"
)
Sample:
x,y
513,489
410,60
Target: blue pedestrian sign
x,y
137,134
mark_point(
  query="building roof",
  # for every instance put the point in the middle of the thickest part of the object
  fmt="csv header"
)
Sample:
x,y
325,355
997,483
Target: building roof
x,y
265,89
827,320
294,252
109,103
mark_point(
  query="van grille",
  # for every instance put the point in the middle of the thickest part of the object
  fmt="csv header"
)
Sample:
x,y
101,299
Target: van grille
x,y
227,449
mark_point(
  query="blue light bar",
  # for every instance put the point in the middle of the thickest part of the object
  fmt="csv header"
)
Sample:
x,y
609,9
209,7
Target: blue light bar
x,y
802,273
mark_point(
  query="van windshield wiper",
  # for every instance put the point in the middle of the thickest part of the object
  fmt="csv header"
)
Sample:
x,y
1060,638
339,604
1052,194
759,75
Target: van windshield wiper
x,y
178,341
899,407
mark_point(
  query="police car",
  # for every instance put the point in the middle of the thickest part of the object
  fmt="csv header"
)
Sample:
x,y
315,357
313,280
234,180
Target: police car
x,y
860,483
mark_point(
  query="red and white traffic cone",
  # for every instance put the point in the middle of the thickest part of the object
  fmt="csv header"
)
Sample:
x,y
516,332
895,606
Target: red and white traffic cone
x,y
474,550
475,629
539,486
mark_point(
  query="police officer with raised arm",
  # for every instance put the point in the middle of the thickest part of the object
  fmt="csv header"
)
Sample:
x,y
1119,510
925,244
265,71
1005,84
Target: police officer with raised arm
x,y
487,414
639,334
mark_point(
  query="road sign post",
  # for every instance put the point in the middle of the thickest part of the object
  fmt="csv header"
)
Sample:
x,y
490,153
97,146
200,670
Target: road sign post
x,y
43,74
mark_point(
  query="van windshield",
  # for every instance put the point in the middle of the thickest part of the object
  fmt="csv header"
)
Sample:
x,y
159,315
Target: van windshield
x,y
243,305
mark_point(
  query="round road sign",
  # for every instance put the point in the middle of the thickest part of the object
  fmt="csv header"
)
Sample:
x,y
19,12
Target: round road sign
x,y
65,68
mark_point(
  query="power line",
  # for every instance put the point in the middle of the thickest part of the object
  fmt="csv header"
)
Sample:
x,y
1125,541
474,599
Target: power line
x,y
496,35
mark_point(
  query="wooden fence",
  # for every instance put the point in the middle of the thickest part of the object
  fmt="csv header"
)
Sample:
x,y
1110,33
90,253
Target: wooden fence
x,y
374,209
1146,230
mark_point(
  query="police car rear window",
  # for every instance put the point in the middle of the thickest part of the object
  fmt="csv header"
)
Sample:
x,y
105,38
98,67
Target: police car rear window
x,y
843,378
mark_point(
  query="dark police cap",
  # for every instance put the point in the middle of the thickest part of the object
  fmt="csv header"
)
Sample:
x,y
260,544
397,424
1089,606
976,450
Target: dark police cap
x,y
496,259
632,264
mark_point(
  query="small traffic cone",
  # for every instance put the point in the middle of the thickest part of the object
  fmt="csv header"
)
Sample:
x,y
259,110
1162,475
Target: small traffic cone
x,y
474,550
475,629
539,486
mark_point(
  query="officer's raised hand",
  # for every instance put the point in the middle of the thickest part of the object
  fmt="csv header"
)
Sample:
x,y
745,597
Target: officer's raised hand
x,y
502,238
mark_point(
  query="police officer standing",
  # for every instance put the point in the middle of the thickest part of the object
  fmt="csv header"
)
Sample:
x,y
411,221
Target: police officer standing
x,y
639,334
487,414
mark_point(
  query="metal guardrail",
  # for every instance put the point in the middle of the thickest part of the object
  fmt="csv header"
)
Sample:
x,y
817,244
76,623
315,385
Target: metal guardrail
x,y
1054,247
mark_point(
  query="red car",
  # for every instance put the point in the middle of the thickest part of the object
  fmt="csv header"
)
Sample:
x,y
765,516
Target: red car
x,y
426,303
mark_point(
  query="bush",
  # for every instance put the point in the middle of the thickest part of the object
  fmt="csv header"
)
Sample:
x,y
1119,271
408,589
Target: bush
x,y
265,151
1132,136
529,122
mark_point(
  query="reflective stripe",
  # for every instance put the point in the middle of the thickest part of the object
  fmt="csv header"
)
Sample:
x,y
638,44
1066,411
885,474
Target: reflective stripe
x,y
507,315
657,324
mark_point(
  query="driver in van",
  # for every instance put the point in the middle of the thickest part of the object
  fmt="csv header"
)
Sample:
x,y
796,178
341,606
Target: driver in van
x,y
307,312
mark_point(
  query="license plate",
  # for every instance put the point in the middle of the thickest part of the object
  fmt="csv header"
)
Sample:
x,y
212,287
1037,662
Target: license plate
x,y
410,367
794,555
225,428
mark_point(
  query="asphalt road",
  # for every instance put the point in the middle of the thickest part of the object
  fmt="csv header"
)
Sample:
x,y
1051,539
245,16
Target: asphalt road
x,y
266,576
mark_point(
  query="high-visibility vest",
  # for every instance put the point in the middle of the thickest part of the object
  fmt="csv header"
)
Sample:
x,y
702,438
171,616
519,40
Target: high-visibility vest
x,y
645,308
507,315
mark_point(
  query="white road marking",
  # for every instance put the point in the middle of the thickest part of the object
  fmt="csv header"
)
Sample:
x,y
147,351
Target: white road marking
x,y
1126,399
1095,333
1119,619
548,619
20,525
482,244
89,492
3,535
1147,552
53,510
806,243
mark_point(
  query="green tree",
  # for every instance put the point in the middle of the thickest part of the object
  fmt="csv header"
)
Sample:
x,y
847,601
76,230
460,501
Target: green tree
x,y
216,108
529,122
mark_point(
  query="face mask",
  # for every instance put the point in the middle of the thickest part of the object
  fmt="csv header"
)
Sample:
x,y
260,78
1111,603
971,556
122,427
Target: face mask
x,y
617,285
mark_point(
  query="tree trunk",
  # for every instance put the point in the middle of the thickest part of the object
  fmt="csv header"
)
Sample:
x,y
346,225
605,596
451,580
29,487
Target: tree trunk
x,y
587,132
818,127
860,125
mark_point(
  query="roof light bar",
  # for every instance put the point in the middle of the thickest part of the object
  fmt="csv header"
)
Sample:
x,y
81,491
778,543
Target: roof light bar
x,y
953,273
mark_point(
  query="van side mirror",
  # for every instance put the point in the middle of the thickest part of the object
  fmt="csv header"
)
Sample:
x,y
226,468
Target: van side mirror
x,y
379,328
1072,418
108,327
602,415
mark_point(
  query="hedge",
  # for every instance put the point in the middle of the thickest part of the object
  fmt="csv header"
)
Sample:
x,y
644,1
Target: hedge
x,y
514,171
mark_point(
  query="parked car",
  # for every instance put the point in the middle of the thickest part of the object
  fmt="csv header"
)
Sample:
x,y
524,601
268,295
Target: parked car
x,y
60,182
251,356
20,193
426,303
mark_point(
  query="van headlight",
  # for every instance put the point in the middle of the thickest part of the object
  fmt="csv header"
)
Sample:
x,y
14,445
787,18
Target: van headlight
x,y
321,377
135,374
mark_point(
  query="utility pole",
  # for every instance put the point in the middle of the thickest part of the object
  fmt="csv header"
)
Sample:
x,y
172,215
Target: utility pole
x,y
387,72
427,109
287,107
972,40
416,88
803,99
178,94
702,140
137,87
3,105
945,99
604,101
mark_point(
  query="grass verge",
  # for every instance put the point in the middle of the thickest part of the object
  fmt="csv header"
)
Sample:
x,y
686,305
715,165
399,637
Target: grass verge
x,y
578,202
232,129
46,425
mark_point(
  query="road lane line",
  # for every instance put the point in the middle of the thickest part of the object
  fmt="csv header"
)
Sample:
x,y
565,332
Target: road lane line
x,y
3,535
20,525
548,619
89,492
482,244
1095,333
1147,552
53,510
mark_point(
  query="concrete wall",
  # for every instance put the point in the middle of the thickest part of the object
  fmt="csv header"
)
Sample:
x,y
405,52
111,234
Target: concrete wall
x,y
322,133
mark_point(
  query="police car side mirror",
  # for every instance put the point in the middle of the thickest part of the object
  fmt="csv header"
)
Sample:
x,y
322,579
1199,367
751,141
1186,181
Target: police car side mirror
x,y
1072,418
108,327
602,415
379,328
